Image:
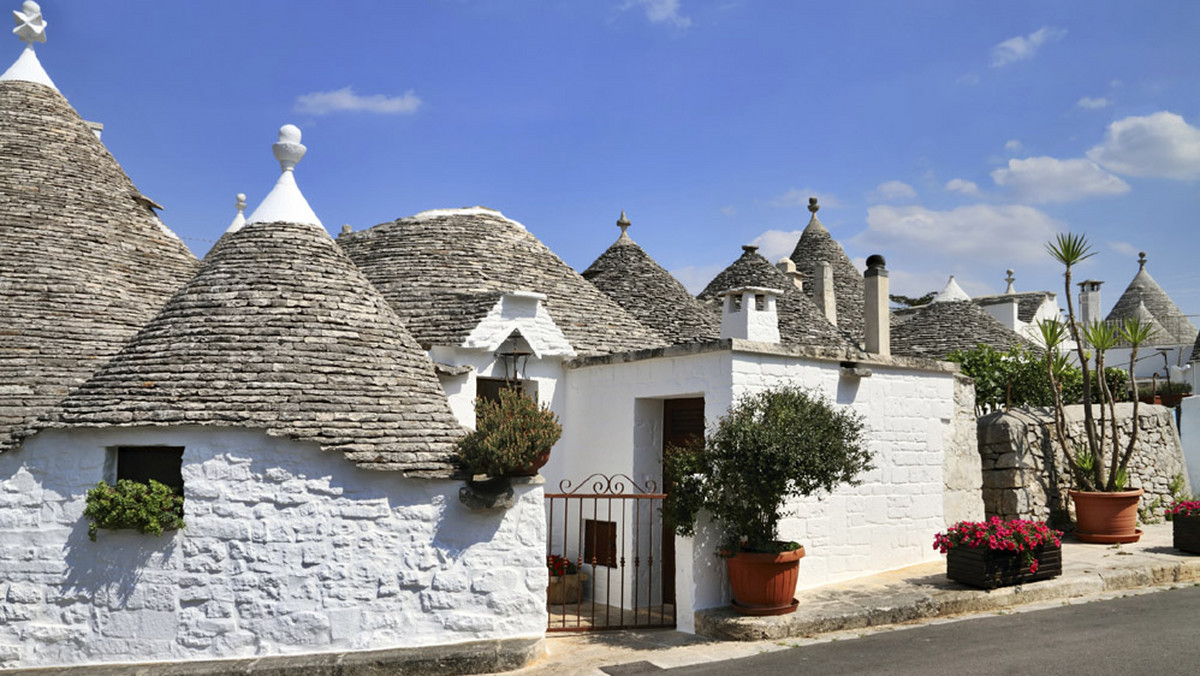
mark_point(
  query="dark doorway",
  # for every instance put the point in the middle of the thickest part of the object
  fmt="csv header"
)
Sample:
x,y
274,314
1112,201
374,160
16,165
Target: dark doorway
x,y
683,428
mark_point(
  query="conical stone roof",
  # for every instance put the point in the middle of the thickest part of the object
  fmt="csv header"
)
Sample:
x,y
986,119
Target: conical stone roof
x,y
84,262
800,321
279,331
629,276
443,270
817,245
937,329
1176,328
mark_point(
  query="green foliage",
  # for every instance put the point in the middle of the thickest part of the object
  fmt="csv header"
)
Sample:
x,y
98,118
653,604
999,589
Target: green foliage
x,y
770,447
149,508
509,435
1163,387
902,301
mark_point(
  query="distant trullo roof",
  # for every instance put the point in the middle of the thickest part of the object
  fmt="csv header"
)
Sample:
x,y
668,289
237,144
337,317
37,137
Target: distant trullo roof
x,y
937,329
648,292
951,292
800,321
1176,328
816,245
280,331
84,262
443,270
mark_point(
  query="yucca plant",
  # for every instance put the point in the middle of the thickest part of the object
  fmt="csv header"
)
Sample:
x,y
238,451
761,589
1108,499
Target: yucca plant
x,y
1100,462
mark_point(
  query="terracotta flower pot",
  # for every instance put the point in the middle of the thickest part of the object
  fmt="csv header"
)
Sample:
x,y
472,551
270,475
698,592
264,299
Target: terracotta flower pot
x,y
534,465
1106,518
764,584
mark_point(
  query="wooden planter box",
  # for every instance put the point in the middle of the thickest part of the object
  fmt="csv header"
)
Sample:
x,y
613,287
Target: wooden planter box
x,y
565,589
1187,533
987,568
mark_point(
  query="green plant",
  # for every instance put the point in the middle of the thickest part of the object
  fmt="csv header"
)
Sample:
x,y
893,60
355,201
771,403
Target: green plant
x,y
1018,535
149,508
1017,378
560,565
1147,390
1108,466
509,435
768,448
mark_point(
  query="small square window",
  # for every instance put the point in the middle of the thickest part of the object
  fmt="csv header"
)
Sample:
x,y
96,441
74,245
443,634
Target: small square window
x,y
164,464
600,542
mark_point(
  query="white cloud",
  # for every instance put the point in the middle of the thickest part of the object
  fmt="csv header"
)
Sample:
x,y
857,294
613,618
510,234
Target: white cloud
x,y
892,191
1047,179
695,277
975,235
1160,145
798,197
1013,145
1089,103
1023,47
728,210
776,244
968,79
660,11
344,99
1123,248
962,186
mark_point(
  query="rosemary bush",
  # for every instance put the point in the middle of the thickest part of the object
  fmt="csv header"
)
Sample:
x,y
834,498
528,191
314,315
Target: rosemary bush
x,y
509,435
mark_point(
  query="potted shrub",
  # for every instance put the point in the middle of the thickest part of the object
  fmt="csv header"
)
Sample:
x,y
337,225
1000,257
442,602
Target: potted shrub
x,y
566,582
1185,525
1105,512
770,447
512,437
147,508
1166,393
996,553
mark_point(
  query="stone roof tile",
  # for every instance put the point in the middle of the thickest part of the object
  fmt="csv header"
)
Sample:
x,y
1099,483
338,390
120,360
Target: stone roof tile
x,y
83,262
937,329
279,331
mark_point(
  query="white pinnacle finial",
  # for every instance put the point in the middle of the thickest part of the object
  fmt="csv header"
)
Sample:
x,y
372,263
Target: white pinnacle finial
x,y
240,220
31,27
285,203
289,151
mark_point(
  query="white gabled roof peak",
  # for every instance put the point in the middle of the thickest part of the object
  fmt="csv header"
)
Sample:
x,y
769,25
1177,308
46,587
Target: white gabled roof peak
x,y
950,293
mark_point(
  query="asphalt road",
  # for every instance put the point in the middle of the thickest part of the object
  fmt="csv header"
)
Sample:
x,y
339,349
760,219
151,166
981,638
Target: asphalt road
x,y
1156,634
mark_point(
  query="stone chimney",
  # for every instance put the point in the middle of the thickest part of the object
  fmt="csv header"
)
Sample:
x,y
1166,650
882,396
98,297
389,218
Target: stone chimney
x,y
877,318
750,313
1089,301
787,267
823,291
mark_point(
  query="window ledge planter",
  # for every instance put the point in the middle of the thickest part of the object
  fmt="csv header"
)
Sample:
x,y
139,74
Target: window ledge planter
x,y
1186,531
985,568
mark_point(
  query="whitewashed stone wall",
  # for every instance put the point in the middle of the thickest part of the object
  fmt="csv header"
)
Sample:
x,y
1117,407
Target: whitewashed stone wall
x,y
1024,470
888,522
963,467
287,550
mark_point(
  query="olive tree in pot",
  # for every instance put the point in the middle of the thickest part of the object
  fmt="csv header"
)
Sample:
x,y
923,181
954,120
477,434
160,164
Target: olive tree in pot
x,y
769,448
1105,512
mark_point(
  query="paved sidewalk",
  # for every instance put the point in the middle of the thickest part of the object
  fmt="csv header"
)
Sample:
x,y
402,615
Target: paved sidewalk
x,y
918,594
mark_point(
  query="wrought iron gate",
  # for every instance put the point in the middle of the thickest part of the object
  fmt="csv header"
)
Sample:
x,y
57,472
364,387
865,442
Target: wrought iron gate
x,y
611,531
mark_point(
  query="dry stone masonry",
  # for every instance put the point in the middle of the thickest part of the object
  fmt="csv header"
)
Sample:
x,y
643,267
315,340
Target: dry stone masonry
x,y
1024,471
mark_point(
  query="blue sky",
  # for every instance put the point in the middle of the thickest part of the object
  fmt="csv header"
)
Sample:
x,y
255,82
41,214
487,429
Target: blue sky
x,y
952,137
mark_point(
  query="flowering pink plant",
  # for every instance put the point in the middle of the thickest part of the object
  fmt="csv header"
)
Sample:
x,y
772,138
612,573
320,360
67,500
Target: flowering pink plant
x,y
1017,535
559,565
1184,508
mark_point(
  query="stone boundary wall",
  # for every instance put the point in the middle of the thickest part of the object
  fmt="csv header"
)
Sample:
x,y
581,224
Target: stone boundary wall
x,y
1025,474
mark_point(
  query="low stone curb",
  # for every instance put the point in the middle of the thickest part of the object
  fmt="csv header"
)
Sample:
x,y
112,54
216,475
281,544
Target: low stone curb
x,y
476,657
848,609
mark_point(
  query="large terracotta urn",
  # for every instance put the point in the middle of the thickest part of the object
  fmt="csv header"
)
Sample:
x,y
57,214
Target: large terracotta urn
x,y
1106,518
764,584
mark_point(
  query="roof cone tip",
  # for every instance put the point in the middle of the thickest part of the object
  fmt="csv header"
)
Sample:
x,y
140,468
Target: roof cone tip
x,y
240,219
813,207
31,28
285,203
623,223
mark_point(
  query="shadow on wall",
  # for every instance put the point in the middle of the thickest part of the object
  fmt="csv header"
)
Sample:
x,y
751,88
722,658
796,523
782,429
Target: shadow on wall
x,y
108,570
